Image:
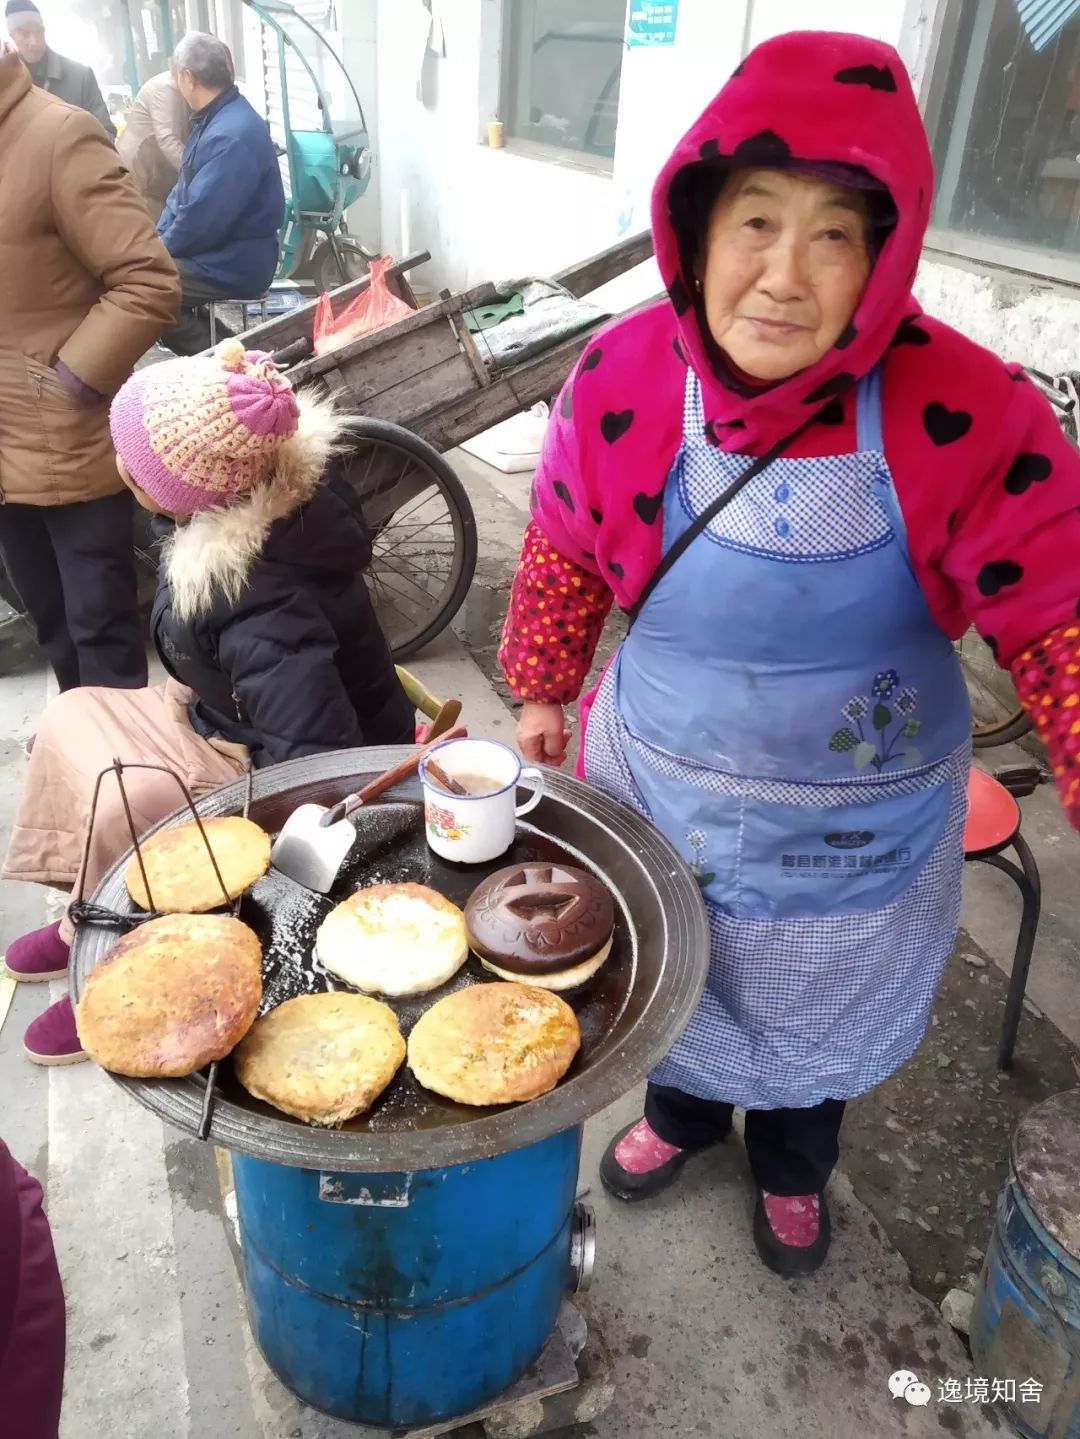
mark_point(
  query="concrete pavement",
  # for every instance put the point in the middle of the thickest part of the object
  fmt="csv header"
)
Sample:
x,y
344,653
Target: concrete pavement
x,y
705,1340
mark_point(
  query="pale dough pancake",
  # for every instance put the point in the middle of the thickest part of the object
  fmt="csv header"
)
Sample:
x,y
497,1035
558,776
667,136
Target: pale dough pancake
x,y
393,939
181,875
172,996
494,1044
565,978
323,1058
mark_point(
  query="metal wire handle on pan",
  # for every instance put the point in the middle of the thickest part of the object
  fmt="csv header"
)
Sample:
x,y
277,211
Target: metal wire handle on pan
x,y
79,911
210,1096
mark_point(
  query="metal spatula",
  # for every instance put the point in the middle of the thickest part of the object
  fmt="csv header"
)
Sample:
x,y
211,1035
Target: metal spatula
x,y
315,839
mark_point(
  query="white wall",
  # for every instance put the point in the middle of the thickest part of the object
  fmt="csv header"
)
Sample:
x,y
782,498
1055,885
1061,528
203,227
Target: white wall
x,y
491,214
359,54
496,214
484,214
1018,317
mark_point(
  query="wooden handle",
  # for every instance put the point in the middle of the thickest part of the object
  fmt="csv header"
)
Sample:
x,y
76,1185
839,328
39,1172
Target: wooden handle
x,y
383,782
420,697
447,782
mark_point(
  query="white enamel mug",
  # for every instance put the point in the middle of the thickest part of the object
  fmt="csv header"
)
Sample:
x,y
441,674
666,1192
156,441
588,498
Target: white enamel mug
x,y
475,828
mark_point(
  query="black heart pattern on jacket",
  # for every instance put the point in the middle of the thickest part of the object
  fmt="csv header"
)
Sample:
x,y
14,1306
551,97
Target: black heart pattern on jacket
x,y
560,489
1026,470
837,385
945,426
679,295
647,507
878,77
615,424
592,359
997,574
909,333
762,150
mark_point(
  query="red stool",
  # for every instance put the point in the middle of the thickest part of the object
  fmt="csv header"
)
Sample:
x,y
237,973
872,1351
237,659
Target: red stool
x,y
993,825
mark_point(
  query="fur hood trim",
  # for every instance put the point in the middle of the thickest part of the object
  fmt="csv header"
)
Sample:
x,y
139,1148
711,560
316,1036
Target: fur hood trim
x,y
215,550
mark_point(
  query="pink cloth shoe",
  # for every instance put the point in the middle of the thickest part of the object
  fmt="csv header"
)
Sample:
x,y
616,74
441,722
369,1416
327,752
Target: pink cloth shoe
x,y
52,1038
642,1149
792,1232
794,1219
638,1163
42,954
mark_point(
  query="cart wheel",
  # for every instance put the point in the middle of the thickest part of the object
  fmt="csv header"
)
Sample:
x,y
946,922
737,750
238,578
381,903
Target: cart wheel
x,y
328,274
995,720
422,529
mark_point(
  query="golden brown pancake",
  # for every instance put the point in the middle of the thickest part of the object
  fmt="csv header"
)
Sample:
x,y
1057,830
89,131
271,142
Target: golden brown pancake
x,y
181,874
494,1044
171,996
323,1058
394,939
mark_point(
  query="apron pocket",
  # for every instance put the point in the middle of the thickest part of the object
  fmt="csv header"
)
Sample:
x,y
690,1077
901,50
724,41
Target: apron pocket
x,y
808,860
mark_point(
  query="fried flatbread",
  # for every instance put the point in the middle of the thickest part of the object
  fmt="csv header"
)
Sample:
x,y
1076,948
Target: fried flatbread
x,y
180,871
393,939
323,1058
172,996
494,1044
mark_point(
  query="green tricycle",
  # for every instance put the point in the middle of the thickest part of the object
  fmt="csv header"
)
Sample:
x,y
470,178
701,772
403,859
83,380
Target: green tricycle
x,y
315,117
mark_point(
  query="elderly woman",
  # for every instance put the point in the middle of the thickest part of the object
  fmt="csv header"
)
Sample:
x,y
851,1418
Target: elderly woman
x,y
800,488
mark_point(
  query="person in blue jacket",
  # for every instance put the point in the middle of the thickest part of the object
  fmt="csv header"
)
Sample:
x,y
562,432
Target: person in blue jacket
x,y
221,221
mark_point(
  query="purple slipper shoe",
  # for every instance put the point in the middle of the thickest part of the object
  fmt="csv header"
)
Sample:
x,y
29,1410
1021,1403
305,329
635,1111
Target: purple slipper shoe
x,y
52,1038
39,955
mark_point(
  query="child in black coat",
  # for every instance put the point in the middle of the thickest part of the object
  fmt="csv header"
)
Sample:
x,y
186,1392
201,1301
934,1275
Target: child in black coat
x,y
262,620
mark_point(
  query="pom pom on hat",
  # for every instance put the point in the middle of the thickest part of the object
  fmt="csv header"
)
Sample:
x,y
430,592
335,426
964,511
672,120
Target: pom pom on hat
x,y
200,433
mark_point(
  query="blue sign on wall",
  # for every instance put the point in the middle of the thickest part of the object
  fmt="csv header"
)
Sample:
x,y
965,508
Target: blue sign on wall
x,y
652,22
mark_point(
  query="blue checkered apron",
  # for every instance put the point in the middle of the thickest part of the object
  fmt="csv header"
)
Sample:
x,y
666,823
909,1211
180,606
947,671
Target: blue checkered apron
x,y
786,710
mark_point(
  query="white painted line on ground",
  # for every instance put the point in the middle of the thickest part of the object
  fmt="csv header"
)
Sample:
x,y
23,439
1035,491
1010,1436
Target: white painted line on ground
x,y
7,994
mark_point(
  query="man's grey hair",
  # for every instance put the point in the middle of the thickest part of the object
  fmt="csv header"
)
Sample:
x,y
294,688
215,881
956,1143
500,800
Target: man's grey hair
x,y
207,59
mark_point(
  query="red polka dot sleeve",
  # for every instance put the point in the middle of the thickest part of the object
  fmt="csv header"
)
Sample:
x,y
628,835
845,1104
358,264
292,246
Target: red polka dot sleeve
x,y
1047,679
556,614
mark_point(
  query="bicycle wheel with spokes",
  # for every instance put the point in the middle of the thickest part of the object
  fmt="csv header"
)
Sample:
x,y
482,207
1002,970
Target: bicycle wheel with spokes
x,y
422,529
996,717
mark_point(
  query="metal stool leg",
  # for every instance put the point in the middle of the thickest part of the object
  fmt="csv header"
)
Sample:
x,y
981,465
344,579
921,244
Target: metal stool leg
x,y
213,324
1026,878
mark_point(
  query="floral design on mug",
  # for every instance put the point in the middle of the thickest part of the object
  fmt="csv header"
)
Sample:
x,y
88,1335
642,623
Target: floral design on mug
x,y
443,823
884,708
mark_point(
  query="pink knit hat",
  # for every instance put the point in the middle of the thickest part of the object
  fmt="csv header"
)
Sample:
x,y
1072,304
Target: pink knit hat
x,y
196,434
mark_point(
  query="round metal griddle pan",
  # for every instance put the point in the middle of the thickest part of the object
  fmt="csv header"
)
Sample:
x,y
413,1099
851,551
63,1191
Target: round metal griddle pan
x,y
630,1015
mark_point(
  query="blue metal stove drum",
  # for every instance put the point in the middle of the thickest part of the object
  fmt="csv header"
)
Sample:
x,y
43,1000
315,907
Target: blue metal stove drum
x,y
407,1268
1026,1327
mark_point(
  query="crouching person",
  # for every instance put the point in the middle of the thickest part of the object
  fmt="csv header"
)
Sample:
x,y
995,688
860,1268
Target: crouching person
x,y
262,620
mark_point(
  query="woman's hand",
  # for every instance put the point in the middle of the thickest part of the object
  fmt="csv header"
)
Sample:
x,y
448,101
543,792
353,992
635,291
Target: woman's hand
x,y
542,735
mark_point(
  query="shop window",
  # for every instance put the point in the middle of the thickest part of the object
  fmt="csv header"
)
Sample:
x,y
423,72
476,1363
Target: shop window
x,y
1004,116
561,77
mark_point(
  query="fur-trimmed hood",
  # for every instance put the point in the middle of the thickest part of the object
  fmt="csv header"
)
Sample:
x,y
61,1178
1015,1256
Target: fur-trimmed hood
x,y
213,552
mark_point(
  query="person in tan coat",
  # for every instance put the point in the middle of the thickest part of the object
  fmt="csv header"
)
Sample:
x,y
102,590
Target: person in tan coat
x,y
152,145
86,288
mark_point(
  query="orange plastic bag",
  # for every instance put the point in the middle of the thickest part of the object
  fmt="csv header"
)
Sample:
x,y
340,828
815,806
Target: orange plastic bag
x,y
371,310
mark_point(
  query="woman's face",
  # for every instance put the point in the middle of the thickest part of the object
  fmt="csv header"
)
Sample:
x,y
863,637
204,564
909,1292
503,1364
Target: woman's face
x,y
143,499
785,264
